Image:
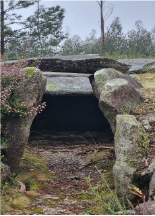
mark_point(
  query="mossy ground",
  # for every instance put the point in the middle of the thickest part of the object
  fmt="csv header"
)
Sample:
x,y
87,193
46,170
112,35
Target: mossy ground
x,y
34,174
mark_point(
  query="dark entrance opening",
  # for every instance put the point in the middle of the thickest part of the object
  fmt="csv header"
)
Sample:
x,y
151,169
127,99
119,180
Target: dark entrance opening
x,y
71,113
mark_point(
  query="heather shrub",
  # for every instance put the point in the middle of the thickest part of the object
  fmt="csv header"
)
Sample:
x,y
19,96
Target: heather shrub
x,y
13,77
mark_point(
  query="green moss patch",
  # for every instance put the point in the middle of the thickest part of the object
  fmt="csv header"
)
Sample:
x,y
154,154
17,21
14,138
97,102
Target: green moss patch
x,y
30,72
52,85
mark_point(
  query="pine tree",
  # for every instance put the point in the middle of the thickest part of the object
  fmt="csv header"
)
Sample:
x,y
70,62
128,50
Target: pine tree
x,y
44,30
8,18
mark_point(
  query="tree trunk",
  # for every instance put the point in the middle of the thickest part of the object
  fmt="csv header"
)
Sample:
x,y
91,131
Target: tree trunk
x,y
102,22
2,28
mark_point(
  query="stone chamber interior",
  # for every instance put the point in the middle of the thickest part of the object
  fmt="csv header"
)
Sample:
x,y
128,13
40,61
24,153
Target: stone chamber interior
x,y
71,113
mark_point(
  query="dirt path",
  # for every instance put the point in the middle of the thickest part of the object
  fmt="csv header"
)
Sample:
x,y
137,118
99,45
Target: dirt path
x,y
71,156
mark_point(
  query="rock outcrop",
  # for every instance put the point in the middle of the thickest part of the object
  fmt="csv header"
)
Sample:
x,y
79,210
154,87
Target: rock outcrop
x,y
131,148
16,128
140,65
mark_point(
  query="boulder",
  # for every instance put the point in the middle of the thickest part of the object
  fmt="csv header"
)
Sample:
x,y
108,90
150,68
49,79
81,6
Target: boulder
x,y
17,129
5,171
118,97
102,76
139,65
147,208
77,64
149,68
148,121
131,148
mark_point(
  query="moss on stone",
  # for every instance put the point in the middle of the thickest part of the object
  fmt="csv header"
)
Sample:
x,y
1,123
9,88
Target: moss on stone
x,y
147,68
30,72
52,85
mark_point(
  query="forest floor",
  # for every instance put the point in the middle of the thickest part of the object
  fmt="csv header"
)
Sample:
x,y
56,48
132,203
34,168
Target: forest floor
x,y
55,168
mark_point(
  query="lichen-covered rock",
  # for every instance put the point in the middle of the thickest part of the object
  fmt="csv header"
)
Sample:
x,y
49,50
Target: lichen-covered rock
x,y
118,97
131,148
102,76
5,171
17,129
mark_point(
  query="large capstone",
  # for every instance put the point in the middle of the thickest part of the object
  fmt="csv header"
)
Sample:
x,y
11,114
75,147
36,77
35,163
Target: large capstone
x,y
77,64
118,97
131,149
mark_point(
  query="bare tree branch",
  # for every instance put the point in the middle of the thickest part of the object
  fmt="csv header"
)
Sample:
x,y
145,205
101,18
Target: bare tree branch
x,y
99,3
110,11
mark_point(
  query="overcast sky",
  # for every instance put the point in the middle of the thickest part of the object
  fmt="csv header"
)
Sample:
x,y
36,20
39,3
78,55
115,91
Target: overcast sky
x,y
83,16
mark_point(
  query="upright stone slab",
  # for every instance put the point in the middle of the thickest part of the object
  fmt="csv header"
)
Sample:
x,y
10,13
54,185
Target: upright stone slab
x,y
102,76
118,97
17,130
131,148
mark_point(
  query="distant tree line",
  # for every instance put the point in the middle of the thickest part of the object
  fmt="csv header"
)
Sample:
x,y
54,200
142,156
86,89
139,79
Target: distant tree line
x,y
41,33
136,43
